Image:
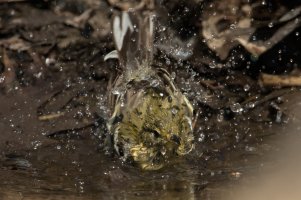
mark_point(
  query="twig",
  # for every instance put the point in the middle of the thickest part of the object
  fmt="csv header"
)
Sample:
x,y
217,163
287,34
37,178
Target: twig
x,y
50,116
279,80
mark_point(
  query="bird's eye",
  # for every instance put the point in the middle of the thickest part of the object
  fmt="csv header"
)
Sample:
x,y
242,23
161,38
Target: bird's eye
x,y
156,133
175,139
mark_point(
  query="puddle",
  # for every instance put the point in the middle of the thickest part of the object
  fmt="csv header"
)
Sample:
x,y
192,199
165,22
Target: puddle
x,y
77,168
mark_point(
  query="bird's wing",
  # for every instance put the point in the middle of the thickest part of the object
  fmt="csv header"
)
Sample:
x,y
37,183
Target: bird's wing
x,y
133,37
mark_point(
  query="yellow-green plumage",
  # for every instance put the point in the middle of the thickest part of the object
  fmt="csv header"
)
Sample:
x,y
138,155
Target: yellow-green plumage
x,y
151,119
155,122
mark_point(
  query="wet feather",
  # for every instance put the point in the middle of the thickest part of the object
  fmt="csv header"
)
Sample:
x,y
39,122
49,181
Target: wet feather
x,y
151,119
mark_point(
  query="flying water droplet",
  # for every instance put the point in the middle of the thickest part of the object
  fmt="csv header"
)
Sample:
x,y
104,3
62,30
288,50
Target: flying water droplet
x,y
247,87
201,137
49,61
271,25
232,26
174,111
168,62
236,108
220,117
250,148
36,144
250,105
2,79
163,151
68,83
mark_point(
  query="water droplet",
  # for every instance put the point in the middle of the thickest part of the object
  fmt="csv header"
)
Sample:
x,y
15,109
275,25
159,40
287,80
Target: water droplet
x,y
116,92
163,151
215,65
236,174
174,111
2,78
232,26
12,12
68,83
201,137
279,100
11,124
80,186
247,87
279,116
38,75
49,61
220,117
168,62
236,107
173,75
271,25
36,144
155,83
250,105
250,148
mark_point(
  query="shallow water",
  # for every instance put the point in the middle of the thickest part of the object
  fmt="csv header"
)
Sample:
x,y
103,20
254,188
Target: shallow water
x,y
228,153
77,170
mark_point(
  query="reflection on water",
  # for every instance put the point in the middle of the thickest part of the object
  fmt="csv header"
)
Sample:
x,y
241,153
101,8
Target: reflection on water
x,y
228,153
77,170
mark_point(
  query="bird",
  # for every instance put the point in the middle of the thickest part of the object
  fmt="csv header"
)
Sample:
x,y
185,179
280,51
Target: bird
x,y
151,120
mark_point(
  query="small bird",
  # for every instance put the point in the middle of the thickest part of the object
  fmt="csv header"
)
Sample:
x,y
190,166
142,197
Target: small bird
x,y
151,120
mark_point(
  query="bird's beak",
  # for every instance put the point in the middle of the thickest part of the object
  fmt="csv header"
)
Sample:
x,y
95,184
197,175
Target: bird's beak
x,y
145,157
